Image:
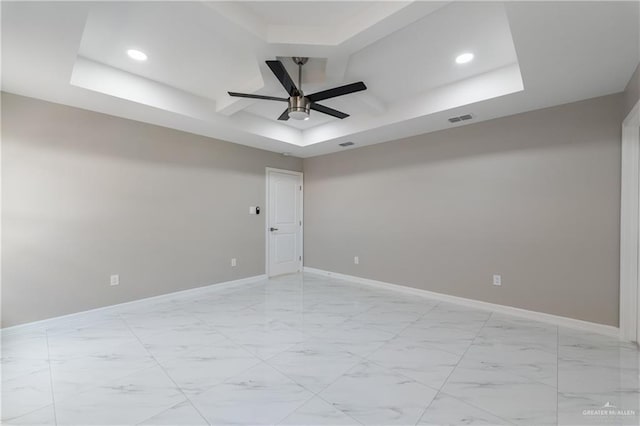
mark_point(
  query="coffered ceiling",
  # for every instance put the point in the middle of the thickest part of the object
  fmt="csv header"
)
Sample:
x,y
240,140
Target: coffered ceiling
x,y
527,55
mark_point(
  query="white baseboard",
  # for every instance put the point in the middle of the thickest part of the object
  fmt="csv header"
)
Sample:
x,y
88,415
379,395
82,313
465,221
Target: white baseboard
x,y
477,304
167,296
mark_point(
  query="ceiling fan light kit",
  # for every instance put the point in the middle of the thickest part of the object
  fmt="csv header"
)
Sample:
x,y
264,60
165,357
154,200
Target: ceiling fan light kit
x,y
300,106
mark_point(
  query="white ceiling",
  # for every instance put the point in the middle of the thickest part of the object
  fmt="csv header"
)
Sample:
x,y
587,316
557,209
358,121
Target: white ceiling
x,y
422,55
528,55
314,14
177,41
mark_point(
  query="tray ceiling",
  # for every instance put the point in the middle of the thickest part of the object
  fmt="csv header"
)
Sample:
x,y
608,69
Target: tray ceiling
x,y
526,56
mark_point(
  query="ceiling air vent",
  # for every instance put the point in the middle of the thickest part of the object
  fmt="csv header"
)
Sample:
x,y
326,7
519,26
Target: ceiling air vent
x,y
460,118
345,144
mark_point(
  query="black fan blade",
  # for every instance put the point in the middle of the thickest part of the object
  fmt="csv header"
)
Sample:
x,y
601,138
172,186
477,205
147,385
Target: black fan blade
x,y
337,91
285,115
283,76
329,111
248,95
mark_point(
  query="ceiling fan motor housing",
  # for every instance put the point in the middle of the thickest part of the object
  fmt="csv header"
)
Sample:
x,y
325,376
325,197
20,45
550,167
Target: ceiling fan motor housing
x,y
299,107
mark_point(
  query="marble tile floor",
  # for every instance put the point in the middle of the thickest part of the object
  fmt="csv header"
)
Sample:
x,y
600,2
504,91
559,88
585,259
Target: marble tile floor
x,y
311,350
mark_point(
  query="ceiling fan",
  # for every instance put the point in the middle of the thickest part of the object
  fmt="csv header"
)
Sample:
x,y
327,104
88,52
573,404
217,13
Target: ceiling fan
x,y
299,103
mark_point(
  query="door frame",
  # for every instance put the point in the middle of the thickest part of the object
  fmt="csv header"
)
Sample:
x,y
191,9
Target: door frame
x,y
267,215
630,227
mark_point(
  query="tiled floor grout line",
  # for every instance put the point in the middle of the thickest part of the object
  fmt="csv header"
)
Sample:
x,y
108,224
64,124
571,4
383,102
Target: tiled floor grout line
x,y
333,405
455,368
368,356
266,361
365,358
53,395
480,409
166,374
317,393
313,393
166,411
416,320
261,361
361,360
214,328
279,422
398,334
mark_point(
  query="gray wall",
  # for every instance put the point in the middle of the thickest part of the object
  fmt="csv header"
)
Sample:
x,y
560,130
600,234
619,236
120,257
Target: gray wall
x,y
632,91
534,197
86,195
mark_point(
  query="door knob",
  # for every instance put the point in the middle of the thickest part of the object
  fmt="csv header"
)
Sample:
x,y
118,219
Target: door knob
x,y
273,229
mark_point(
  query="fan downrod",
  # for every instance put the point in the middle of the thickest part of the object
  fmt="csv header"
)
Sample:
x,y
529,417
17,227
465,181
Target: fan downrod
x,y
300,61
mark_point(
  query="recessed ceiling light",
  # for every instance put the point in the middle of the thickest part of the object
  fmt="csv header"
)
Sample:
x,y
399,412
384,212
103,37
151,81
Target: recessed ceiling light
x,y
137,55
464,58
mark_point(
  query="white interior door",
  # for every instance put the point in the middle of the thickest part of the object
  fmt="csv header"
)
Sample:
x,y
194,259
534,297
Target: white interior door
x,y
284,222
